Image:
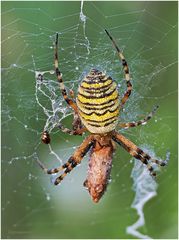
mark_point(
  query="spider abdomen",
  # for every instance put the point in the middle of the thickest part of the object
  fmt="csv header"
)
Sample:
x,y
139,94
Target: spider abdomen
x,y
98,102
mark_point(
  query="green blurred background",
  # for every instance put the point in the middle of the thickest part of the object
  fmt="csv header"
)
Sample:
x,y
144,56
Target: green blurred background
x,y
31,206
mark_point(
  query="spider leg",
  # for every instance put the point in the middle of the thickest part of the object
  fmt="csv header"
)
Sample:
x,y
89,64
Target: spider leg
x,y
78,128
46,136
73,161
76,158
140,122
78,131
126,71
77,124
137,152
72,94
69,101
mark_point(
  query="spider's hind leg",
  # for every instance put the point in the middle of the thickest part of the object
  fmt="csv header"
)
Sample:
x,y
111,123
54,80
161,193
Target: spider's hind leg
x,y
126,71
69,101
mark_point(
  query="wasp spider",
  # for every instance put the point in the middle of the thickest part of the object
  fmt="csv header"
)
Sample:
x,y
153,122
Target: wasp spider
x,y
96,110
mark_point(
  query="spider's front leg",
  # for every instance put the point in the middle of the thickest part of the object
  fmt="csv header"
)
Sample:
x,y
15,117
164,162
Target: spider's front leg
x,y
137,152
73,161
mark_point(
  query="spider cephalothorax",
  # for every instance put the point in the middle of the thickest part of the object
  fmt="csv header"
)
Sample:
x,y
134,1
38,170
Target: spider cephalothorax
x,y
96,110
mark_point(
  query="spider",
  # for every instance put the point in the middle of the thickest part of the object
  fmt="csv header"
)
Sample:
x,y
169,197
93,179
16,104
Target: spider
x,y
96,110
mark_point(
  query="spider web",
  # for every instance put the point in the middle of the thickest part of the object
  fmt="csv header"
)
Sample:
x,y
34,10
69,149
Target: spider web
x,y
31,102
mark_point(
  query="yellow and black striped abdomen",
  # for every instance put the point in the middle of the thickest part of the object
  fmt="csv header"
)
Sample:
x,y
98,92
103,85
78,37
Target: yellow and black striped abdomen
x,y
98,102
